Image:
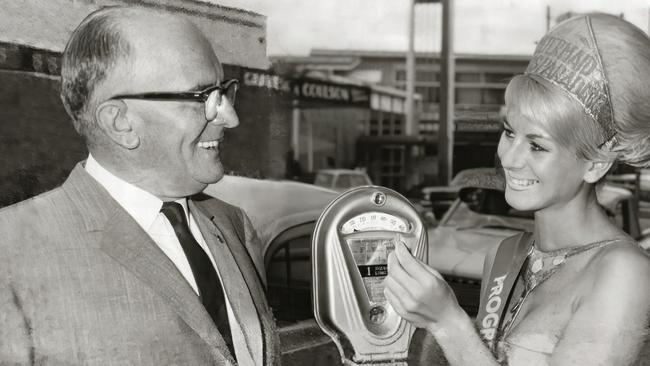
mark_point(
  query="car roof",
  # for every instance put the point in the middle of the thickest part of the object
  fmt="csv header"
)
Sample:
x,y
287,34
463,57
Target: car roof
x,y
487,178
273,205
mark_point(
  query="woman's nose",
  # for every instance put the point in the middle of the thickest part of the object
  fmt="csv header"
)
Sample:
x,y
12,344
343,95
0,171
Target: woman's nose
x,y
510,154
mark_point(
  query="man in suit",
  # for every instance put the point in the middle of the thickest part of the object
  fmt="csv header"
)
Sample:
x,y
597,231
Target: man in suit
x,y
124,264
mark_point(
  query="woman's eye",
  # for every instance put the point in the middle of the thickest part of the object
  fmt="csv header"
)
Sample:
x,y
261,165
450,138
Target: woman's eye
x,y
508,133
536,147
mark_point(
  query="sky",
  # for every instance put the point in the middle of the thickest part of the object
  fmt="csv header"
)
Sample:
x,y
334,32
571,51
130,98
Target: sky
x,y
294,27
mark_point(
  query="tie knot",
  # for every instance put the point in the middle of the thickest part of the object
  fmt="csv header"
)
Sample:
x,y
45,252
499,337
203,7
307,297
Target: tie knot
x,y
173,211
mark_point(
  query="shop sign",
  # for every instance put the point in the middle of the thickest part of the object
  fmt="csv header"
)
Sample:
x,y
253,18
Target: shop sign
x,y
265,80
308,89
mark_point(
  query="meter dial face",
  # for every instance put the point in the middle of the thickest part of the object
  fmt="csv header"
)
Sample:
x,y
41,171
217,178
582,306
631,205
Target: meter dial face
x,y
371,221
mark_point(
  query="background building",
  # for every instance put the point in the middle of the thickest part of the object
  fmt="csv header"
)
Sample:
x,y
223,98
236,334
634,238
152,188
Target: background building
x,y
480,82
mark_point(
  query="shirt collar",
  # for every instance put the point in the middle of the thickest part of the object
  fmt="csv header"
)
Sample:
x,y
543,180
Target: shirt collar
x,y
143,206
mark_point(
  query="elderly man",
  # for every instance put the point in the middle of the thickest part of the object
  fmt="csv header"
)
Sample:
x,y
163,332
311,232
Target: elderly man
x,y
124,264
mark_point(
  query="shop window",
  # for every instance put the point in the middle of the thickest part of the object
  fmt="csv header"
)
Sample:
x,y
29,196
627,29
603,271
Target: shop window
x,y
498,77
397,125
493,96
400,75
468,96
468,77
374,127
430,94
425,76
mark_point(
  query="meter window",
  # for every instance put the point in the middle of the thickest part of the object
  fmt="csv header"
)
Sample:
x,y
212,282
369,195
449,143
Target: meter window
x,y
371,257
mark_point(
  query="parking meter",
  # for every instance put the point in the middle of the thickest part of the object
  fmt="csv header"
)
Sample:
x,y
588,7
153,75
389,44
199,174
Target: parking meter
x,y
350,248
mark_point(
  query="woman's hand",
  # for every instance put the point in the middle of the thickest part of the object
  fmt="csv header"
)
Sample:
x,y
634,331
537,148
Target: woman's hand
x,y
418,292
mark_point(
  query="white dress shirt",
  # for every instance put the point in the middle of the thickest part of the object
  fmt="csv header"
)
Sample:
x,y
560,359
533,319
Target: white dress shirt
x,y
145,210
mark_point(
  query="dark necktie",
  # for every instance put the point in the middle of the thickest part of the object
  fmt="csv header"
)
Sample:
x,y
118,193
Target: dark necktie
x,y
207,280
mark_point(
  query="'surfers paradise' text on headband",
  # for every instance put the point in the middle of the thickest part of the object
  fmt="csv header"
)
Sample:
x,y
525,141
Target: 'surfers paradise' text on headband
x,y
568,56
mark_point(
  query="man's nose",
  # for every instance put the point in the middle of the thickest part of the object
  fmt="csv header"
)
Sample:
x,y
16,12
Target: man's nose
x,y
226,115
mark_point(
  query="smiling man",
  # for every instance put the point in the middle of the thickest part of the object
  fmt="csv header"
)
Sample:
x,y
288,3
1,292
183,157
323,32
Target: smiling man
x,y
126,263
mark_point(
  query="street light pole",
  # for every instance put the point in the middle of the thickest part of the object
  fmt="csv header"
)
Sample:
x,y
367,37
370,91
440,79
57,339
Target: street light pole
x,y
410,70
447,88
446,124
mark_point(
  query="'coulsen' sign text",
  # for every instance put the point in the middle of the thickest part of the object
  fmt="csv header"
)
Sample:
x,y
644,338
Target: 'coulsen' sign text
x,y
338,93
309,89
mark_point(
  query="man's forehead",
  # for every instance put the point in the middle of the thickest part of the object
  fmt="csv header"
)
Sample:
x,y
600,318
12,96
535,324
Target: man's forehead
x,y
177,53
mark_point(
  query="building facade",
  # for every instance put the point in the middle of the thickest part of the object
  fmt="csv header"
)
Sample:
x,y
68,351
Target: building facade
x,y
480,82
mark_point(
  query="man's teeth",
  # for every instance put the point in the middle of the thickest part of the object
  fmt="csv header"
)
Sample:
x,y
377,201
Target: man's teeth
x,y
523,182
208,144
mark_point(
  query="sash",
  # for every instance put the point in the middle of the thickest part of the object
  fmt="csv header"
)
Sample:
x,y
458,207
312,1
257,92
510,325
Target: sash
x,y
497,293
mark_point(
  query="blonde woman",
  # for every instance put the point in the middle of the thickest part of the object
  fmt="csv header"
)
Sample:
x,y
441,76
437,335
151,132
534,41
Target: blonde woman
x,y
575,291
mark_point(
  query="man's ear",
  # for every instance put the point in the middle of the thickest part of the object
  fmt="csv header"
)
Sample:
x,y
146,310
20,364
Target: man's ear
x,y
597,170
112,119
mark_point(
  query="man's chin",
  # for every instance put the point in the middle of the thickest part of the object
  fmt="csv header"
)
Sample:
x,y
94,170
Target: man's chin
x,y
207,178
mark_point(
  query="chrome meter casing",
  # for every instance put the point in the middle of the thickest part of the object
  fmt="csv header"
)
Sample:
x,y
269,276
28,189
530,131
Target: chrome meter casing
x,y
350,245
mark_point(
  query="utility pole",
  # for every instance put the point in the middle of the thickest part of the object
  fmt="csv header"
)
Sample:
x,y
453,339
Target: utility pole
x,y
410,69
446,119
447,72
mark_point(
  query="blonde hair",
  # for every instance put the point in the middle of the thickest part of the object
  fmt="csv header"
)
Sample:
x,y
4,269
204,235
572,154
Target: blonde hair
x,y
625,54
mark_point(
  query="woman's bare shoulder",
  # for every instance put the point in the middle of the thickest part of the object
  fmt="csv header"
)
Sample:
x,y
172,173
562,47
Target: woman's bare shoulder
x,y
622,269
622,258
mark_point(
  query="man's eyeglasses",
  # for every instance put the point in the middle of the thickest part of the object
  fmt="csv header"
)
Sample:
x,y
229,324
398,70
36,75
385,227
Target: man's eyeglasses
x,y
211,97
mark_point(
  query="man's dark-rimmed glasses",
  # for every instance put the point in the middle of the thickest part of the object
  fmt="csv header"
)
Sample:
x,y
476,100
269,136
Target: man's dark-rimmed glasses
x,y
211,96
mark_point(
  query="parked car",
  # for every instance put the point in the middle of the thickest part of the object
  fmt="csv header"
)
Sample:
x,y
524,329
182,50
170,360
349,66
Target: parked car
x,y
438,199
341,179
480,218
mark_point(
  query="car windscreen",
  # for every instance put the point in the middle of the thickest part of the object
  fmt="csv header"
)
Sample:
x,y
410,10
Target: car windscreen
x,y
358,180
324,180
343,181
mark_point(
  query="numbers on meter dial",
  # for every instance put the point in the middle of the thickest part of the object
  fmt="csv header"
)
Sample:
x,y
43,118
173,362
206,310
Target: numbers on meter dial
x,y
370,221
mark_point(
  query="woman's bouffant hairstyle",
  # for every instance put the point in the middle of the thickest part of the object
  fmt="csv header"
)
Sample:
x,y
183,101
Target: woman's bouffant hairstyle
x,y
625,55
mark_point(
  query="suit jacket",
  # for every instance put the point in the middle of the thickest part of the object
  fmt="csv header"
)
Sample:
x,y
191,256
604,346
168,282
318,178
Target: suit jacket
x,y
82,284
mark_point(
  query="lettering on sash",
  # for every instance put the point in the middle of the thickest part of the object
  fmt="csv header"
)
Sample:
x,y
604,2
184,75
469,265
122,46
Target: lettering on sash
x,y
490,321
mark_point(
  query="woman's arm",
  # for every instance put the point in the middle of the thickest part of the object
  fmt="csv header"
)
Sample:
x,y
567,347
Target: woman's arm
x,y
420,295
610,322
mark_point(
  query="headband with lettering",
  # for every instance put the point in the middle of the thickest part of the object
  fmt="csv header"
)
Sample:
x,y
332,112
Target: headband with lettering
x,y
568,56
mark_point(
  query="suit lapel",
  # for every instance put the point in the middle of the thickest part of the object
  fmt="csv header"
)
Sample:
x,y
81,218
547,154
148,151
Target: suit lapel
x,y
127,243
220,240
219,232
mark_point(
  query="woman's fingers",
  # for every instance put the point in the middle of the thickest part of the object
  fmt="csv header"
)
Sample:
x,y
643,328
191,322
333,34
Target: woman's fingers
x,y
398,272
414,267
397,302
397,287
